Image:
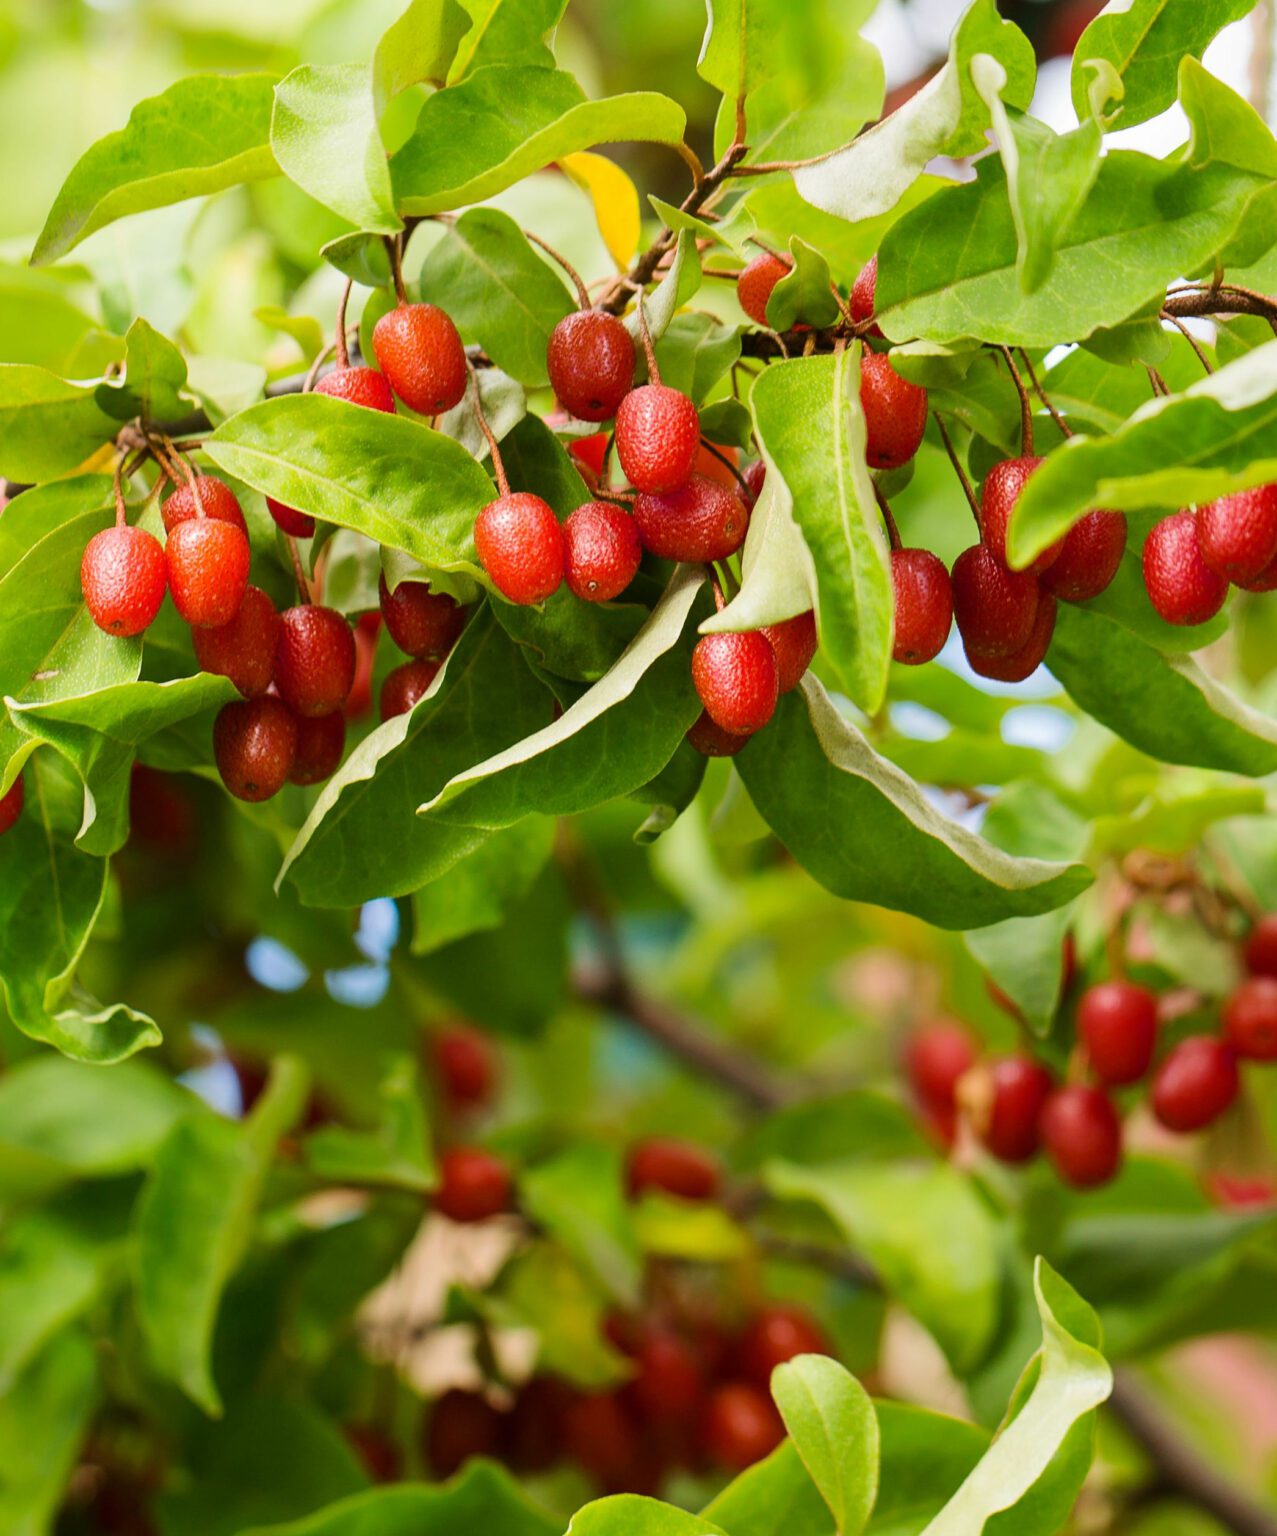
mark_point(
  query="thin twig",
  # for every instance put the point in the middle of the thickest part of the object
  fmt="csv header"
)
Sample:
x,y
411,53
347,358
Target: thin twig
x,y
498,466
959,471
722,458
299,571
1042,395
888,517
343,352
583,293
121,510
1026,405
1189,338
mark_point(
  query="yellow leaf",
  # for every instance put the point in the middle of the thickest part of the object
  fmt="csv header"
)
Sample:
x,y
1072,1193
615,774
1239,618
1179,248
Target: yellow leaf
x,y
615,199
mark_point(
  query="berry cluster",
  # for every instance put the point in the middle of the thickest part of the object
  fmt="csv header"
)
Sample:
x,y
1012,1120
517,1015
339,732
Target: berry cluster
x,y
1191,558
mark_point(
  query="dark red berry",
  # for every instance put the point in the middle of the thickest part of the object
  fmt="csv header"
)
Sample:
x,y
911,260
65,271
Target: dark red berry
x,y
668,1381
1181,586
1260,952
536,1424
1007,1120
755,475
1250,1018
998,495
1238,534
737,679
602,550
361,386
756,281
937,1055
462,1425
658,435
359,702
1089,556
244,649
314,660
422,623
590,360
590,453
775,1335
1196,1082
473,1185
11,805
406,686
700,521
673,1168
376,1450
601,1438
1266,581
923,596
520,545
321,740
254,741
1082,1135
296,524
741,1425
215,497
1024,662
1117,1023
465,1065
794,641
994,607
895,413
123,575
420,353
208,565
712,740
863,296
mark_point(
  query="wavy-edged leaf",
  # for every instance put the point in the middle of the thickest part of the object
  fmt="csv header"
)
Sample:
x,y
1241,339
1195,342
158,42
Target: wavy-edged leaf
x,y
48,426
673,291
778,575
805,294
154,379
834,1427
507,32
418,47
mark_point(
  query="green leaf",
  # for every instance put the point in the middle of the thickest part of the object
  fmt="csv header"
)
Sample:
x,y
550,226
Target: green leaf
x,y
774,1497
805,293
578,1197
42,323
47,426
43,1420
51,1272
507,121
835,1430
751,42
393,479
506,32
693,355
629,1514
153,382
671,293
325,138
480,888
44,508
396,1155
867,833
925,1456
418,47
927,1233
201,135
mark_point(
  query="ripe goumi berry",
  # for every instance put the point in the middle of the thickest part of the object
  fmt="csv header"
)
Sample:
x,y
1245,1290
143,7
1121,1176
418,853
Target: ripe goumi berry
x,y
590,360
1181,586
712,740
406,686
1250,1018
601,1437
1008,1106
520,545
741,1425
1238,534
755,475
420,353
794,642
244,649
1024,662
658,435
1196,1082
864,295
465,1065
473,1185
208,565
737,679
1117,1023
671,1167
123,575
774,1336
361,386
937,1056
359,700
423,624
314,660
895,413
700,521
602,550
320,744
215,497
923,597
296,524
756,281
589,453
669,1380
1266,581
994,607
462,1425
254,742
1089,555
998,495
1082,1135
1260,952
11,805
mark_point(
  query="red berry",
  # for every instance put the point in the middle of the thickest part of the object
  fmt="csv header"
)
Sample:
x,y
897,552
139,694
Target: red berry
x,y
1261,947
11,805
1024,662
672,1167
669,1382
1001,490
590,452
244,649
923,596
700,521
1195,1083
420,353
719,461
315,660
1181,586
794,641
712,740
361,386
741,1425
602,550
359,701
376,1450
1238,534
422,623
208,566
1117,1023
254,742
520,545
536,1424
737,679
600,1437
775,1335
123,574
936,1057
1089,555
1082,1135
590,360
462,1425
895,413
863,296
658,435
1266,581
755,475
296,524
994,607
320,743
1250,1018
465,1065
755,283
215,497
406,686
1008,1123
473,1185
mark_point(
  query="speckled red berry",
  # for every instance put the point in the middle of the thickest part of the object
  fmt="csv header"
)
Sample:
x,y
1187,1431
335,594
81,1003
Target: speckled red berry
x,y
794,642
208,565
1260,952
895,413
700,521
1238,534
465,1065
1006,1118
1024,662
296,525
668,1166
11,805
215,496
658,435
756,281
1117,1023
320,743
420,353
737,679
590,360
1250,1018
923,596
1082,1135
1196,1082
1181,586
712,740
1001,490
254,742
244,649
864,295
994,607
473,1185
520,545
774,1336
361,386
314,660
602,551
741,1425
123,575
937,1056
1089,556
422,623
406,686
